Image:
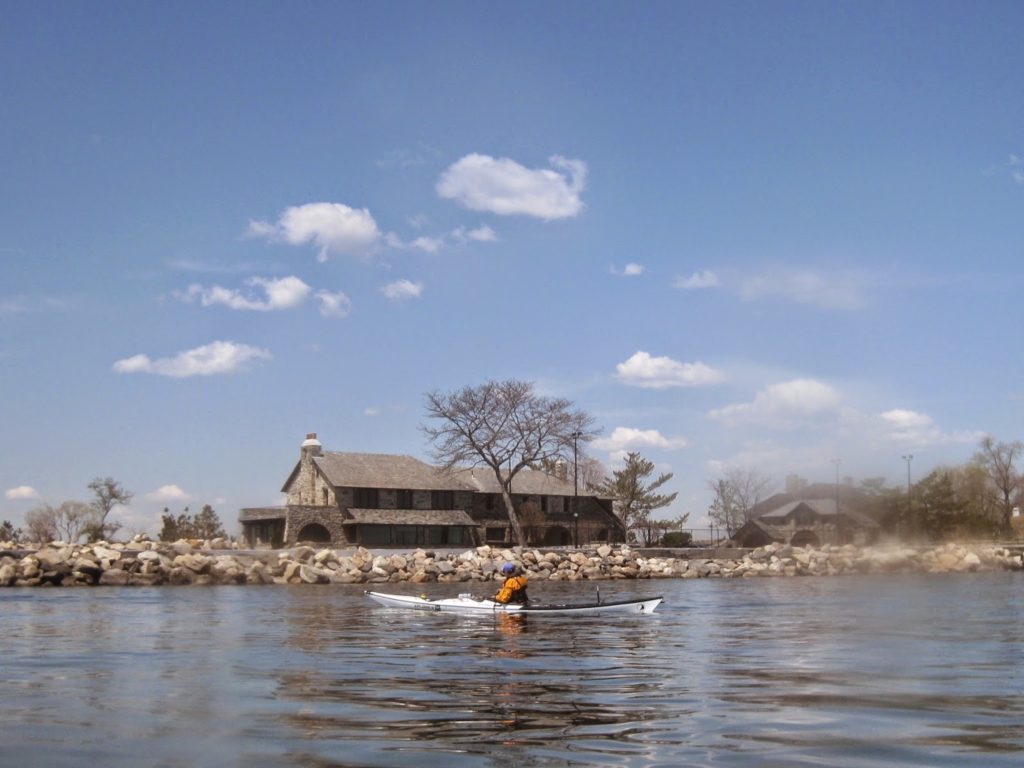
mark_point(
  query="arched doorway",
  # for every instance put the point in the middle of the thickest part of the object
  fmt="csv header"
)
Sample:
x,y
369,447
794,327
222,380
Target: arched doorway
x,y
315,533
805,539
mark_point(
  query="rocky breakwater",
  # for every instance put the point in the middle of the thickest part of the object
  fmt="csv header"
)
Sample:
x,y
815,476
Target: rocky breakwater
x,y
145,562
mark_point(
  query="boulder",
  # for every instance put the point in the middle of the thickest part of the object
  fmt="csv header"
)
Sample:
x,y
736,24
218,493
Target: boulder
x,y
113,577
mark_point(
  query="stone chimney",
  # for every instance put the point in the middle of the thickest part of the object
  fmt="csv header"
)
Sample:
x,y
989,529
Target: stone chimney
x,y
311,446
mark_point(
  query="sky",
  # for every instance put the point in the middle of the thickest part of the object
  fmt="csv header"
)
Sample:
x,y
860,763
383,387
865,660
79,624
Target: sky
x,y
776,236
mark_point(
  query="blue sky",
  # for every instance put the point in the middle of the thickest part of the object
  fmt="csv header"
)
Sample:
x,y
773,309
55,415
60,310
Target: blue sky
x,y
758,235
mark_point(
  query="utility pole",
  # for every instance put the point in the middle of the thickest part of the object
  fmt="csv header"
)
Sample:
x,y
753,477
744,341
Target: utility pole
x,y
576,488
837,462
908,458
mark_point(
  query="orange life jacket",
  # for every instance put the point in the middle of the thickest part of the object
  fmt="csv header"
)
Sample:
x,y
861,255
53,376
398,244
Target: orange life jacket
x,y
512,591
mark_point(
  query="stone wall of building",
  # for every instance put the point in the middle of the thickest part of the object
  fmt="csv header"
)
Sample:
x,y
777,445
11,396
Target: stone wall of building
x,y
331,518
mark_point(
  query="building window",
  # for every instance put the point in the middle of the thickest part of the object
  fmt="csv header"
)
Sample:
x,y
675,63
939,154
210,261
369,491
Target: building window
x,y
403,500
326,498
442,499
496,534
543,503
489,501
365,498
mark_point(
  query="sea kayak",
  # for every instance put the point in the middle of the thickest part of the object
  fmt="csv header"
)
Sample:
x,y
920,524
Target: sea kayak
x,y
468,604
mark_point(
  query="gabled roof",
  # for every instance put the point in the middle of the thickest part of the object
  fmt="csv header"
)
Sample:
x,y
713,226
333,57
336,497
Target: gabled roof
x,y
769,530
385,470
527,482
822,507
409,517
252,514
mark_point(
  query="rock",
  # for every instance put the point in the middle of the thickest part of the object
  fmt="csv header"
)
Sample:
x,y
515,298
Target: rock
x,y
604,550
104,553
113,577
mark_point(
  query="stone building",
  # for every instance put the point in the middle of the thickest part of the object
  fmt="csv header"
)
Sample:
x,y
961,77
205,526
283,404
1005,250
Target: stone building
x,y
386,500
806,522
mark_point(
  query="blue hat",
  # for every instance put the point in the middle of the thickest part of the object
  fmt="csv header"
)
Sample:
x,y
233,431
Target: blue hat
x,y
508,569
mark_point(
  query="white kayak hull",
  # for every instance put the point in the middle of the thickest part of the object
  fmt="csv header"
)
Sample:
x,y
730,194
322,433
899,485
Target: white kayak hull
x,y
467,604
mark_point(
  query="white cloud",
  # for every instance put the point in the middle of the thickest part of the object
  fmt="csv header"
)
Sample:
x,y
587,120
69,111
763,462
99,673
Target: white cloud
x,y
168,493
902,419
504,187
334,228
481,234
915,429
402,289
1017,169
218,357
334,304
642,370
277,294
428,244
833,292
21,492
698,280
632,269
786,401
371,411
628,438
13,306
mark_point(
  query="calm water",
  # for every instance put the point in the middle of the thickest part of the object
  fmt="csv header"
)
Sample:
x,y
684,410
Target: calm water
x,y
924,671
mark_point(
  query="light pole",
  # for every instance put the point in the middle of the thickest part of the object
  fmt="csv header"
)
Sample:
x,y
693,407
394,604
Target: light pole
x,y
576,488
908,458
837,462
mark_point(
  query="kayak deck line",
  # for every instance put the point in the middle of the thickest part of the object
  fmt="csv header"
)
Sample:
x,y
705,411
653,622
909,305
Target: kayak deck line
x,y
467,604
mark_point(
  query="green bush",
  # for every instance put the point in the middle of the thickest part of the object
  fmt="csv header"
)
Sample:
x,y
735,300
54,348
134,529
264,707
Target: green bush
x,y
677,539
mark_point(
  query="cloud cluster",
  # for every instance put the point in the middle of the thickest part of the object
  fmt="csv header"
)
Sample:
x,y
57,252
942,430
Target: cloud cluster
x,y
218,357
629,438
802,287
784,403
21,492
168,493
643,370
436,243
335,304
915,429
274,294
1017,169
400,290
697,281
334,228
277,293
632,269
504,187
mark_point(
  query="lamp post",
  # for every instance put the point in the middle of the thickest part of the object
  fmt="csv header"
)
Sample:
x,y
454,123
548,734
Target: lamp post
x,y
576,488
837,462
908,458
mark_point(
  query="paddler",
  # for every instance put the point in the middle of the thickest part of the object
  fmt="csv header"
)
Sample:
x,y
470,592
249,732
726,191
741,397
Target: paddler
x,y
514,588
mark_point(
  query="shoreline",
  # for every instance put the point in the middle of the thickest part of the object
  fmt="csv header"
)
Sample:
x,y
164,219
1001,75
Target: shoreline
x,y
143,562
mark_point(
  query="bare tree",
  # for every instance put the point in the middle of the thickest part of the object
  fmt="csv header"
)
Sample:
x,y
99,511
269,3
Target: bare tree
x,y
506,426
738,492
590,473
107,494
998,460
41,524
72,519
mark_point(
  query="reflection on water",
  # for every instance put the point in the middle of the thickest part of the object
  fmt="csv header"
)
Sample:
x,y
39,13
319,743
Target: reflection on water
x,y
916,671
